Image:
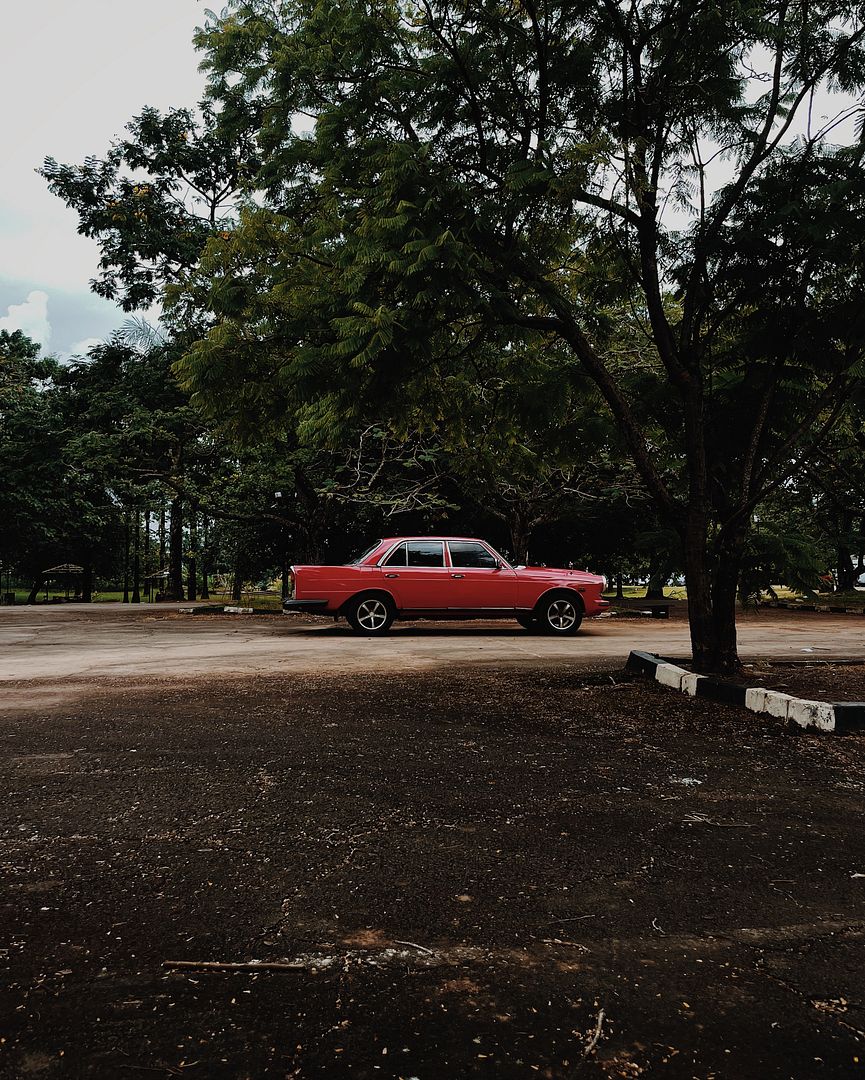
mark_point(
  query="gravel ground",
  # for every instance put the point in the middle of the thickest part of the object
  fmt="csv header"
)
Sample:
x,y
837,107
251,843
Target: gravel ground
x,y
490,871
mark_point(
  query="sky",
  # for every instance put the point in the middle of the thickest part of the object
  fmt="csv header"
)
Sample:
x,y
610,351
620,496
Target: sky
x,y
72,74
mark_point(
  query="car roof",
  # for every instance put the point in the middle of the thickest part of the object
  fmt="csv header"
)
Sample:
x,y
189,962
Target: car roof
x,y
398,539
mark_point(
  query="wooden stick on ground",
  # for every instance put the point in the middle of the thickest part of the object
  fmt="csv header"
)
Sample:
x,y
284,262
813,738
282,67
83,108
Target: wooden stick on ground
x,y
596,1035
223,965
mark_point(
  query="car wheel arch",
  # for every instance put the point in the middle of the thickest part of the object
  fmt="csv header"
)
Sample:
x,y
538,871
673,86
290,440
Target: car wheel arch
x,y
365,594
559,590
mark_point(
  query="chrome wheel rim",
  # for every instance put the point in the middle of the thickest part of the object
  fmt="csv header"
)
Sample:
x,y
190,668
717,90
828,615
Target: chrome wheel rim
x,y
372,614
561,615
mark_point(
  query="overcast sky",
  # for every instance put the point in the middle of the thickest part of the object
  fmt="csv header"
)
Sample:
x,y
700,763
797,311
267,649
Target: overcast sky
x,y
72,73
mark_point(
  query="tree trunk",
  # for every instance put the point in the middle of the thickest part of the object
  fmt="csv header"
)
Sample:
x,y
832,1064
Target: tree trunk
x,y
284,589
148,569
34,592
87,582
126,557
521,533
175,549
314,518
700,620
237,583
846,570
205,588
712,580
658,578
192,583
136,561
162,537
620,594
725,590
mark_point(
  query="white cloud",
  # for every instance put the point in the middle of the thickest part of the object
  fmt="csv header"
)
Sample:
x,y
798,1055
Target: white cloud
x,y
82,348
31,318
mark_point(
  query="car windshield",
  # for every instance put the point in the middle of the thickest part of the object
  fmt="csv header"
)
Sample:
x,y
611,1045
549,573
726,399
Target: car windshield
x,y
367,551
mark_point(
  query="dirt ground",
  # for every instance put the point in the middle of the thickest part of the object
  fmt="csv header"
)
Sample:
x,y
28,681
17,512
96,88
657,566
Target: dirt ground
x,y
822,681
507,868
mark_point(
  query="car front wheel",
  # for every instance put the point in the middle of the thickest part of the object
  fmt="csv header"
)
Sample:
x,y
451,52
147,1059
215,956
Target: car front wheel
x,y
370,615
560,614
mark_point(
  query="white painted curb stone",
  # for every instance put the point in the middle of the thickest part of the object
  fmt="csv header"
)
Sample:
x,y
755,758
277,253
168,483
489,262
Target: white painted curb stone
x,y
812,714
755,698
689,683
778,704
670,675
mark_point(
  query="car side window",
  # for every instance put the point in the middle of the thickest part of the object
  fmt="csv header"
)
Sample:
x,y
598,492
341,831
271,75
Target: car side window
x,y
471,556
396,557
426,553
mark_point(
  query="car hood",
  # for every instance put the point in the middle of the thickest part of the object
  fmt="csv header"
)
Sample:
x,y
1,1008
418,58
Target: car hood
x,y
546,573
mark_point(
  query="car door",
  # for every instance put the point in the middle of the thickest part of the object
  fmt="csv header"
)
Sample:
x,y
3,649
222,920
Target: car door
x,y
481,581
416,574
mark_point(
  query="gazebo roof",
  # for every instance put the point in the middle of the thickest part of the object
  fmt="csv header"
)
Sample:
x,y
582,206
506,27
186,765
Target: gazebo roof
x,y
64,568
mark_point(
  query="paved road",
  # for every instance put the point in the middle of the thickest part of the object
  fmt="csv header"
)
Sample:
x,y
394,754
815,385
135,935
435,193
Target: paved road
x,y
78,642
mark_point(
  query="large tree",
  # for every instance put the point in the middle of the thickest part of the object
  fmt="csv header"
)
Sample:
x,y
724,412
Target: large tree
x,y
436,168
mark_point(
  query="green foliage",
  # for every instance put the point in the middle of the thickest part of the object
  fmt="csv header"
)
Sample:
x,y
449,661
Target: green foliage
x,y
50,510
155,198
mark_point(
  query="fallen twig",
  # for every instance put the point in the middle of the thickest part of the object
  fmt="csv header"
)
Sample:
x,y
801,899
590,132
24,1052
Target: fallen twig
x,y
701,819
596,1035
224,965
413,944
572,918
571,944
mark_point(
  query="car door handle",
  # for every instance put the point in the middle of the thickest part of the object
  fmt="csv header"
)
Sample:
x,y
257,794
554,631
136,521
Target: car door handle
x,y
391,575
457,575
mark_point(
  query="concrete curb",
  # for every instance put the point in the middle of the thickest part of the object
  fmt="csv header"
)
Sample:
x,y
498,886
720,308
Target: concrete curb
x,y
811,715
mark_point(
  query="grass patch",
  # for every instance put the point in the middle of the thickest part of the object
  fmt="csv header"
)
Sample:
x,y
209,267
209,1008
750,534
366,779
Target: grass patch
x,y
638,592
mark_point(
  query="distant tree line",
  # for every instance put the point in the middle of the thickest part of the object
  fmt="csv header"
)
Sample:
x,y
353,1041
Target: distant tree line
x,y
105,464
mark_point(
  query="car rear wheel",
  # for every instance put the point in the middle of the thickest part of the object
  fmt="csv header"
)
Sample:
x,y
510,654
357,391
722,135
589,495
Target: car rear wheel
x,y
560,614
370,614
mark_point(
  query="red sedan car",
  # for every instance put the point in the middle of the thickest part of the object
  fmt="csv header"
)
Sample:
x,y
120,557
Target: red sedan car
x,y
445,577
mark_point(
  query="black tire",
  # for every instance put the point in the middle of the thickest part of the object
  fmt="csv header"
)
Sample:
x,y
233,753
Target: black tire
x,y
559,613
528,621
370,614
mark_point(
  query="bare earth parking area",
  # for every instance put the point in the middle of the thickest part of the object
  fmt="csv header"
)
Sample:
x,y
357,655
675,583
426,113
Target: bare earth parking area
x,y
472,851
